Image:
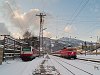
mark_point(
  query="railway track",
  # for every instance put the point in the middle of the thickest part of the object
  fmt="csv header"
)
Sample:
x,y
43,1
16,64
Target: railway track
x,y
70,70
89,62
97,61
89,59
65,68
93,61
94,65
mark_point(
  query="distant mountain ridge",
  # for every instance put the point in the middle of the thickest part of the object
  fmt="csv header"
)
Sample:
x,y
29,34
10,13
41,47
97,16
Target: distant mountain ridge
x,y
56,44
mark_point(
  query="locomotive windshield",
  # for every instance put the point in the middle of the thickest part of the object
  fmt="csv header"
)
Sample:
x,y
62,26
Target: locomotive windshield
x,y
71,49
26,49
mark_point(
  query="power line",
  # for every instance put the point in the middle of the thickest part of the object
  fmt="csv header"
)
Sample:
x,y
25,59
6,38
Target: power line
x,y
80,10
13,13
77,9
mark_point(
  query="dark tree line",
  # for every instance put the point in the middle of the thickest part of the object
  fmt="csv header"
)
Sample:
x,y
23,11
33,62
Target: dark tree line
x,y
31,40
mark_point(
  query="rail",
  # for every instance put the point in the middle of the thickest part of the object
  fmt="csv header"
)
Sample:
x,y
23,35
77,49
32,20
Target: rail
x,y
72,66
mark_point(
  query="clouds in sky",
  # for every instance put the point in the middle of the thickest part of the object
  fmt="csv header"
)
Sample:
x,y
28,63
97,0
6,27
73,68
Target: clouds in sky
x,y
69,29
3,29
20,16
19,21
47,34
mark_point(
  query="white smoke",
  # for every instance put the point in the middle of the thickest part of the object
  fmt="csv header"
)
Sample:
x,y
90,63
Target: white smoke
x,y
3,29
17,21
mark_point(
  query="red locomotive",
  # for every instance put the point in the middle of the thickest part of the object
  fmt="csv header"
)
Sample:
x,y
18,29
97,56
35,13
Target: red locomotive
x,y
28,53
69,52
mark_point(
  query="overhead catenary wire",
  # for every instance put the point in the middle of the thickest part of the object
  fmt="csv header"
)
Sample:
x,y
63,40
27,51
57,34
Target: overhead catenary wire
x,y
79,11
10,8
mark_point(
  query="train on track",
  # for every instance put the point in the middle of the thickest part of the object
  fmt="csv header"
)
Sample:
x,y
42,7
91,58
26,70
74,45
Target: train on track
x,y
28,53
67,52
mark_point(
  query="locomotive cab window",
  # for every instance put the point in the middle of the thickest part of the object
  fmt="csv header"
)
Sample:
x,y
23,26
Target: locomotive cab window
x,y
69,49
26,49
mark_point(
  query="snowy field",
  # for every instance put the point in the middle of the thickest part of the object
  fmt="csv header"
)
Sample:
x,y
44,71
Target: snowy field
x,y
63,66
89,56
91,68
18,67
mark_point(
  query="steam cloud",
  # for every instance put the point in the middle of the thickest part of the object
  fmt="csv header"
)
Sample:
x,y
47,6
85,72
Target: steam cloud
x,y
17,21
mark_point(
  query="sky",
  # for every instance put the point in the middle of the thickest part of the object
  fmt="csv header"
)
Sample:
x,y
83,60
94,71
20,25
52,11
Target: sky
x,y
64,18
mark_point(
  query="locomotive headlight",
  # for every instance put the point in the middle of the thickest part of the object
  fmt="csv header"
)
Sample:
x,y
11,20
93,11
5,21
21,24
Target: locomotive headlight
x,y
72,52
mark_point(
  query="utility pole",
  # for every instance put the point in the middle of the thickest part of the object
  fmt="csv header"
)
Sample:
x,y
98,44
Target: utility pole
x,y
91,43
41,15
96,45
85,44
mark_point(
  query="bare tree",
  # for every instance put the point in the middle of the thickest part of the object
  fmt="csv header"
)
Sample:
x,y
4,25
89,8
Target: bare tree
x,y
27,35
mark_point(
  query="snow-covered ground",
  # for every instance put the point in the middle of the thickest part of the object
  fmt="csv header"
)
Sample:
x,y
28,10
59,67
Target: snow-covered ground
x,y
63,66
18,67
46,68
94,57
91,68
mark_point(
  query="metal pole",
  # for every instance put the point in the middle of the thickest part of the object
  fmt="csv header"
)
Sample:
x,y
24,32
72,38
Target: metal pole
x,y
50,46
96,48
42,41
14,50
41,15
96,45
4,57
85,47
